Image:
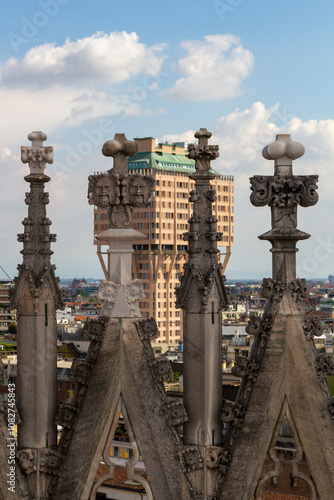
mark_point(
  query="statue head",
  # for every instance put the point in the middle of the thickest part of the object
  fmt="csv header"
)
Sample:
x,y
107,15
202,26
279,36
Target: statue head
x,y
102,190
140,190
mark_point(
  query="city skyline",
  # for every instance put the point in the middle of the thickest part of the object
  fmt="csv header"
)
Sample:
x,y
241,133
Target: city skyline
x,y
82,74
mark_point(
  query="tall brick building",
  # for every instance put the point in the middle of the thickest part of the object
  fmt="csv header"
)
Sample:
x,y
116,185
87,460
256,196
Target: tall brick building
x,y
159,262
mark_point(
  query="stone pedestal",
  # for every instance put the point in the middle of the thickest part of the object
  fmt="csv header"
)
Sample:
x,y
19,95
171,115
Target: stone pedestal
x,y
120,294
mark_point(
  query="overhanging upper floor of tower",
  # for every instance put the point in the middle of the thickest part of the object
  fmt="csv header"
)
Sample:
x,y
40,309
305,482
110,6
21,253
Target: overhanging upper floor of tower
x,y
164,157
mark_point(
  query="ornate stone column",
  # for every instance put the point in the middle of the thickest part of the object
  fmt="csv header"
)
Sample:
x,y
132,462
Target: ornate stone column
x,y
283,379
120,373
283,192
120,192
36,297
202,296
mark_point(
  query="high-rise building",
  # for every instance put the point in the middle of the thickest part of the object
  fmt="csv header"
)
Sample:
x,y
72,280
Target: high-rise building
x,y
6,316
159,261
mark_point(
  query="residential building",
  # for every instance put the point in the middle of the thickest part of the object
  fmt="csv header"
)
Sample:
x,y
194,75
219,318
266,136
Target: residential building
x,y
6,316
159,261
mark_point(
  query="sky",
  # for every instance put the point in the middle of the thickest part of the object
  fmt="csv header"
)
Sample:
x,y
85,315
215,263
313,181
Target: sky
x,y
81,71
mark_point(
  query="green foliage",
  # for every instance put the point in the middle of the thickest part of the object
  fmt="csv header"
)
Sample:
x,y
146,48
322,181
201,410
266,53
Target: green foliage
x,y
8,347
12,328
69,395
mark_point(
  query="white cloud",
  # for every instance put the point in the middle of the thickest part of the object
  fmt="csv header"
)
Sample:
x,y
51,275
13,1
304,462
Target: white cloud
x,y
241,136
185,137
100,58
213,69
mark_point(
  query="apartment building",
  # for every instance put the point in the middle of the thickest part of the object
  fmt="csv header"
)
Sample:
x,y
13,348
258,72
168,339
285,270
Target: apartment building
x,y
159,261
6,316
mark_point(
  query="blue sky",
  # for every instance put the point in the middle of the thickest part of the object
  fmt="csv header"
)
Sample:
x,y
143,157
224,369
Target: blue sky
x,y
246,70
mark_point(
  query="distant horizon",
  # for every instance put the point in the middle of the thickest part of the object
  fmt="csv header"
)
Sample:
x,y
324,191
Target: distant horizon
x,y
124,70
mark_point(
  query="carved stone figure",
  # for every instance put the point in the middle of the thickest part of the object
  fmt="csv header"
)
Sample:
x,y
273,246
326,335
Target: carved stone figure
x,y
117,190
104,190
67,415
140,190
27,460
218,458
272,288
80,372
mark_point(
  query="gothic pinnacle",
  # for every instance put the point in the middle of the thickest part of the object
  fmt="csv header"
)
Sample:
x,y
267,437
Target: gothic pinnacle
x,y
37,155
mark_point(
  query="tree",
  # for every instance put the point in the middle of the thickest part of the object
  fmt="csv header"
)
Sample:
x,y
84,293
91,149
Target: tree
x,y
12,328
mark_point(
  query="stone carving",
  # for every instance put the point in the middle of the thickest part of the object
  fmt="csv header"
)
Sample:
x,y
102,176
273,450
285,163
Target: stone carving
x,y
233,413
140,190
81,372
272,289
104,190
95,329
147,329
203,153
210,195
258,325
192,237
273,190
284,190
190,459
312,327
175,413
245,368
325,365
116,190
67,415
108,291
194,196
27,460
36,271
254,325
299,289
51,462
134,291
218,458
36,155
162,369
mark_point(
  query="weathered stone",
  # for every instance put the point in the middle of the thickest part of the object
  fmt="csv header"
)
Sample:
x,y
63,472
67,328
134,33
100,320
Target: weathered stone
x,y
285,361
124,360
116,190
36,297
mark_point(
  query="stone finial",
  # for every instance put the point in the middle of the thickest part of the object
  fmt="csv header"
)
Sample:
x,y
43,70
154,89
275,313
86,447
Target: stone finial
x,y
283,150
37,155
203,152
203,135
120,148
